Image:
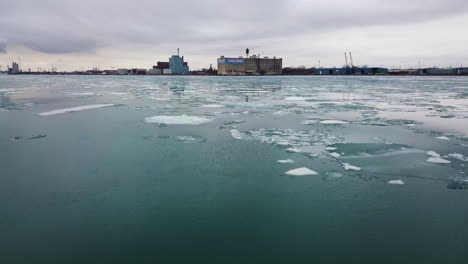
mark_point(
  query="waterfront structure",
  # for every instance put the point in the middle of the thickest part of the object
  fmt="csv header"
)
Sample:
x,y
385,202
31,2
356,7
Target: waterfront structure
x,y
253,65
351,71
177,65
14,68
122,71
136,71
154,71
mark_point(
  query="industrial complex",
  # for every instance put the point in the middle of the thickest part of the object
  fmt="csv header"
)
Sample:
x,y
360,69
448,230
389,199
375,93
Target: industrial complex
x,y
253,65
250,65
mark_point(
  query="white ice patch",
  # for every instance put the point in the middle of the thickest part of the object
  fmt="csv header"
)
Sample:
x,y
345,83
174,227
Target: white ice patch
x,y
236,134
74,109
443,138
438,160
297,98
333,122
308,122
294,150
213,105
330,148
281,113
334,154
433,154
301,172
285,161
178,120
397,182
348,167
82,94
458,156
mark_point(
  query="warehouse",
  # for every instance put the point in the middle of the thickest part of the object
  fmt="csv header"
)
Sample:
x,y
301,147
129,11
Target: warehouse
x,y
253,65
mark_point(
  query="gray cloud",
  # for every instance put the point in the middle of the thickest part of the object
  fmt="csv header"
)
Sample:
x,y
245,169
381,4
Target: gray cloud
x,y
88,26
84,26
3,46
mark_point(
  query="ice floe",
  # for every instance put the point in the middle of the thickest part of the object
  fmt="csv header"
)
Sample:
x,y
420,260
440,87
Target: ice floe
x,y
334,154
190,139
396,182
297,98
301,172
438,160
213,106
458,156
443,138
333,122
348,167
308,122
178,120
236,134
294,150
82,94
330,148
74,109
433,154
285,161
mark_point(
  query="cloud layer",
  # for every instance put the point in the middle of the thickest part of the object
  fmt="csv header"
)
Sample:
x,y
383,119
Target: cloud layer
x,y
215,27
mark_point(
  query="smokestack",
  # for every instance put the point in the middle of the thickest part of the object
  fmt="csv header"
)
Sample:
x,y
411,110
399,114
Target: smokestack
x,y
177,51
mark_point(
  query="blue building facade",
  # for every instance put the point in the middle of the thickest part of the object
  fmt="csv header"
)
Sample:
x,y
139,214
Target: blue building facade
x,y
177,65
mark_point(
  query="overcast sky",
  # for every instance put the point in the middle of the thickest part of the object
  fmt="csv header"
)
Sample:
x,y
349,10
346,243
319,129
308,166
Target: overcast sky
x,y
99,33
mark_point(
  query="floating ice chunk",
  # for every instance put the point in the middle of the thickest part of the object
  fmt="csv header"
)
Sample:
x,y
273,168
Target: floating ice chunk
x,y
397,182
334,154
297,98
301,172
190,139
213,105
433,154
285,161
443,138
458,156
294,150
82,94
348,166
308,122
74,109
281,113
333,122
178,120
236,134
438,160
330,148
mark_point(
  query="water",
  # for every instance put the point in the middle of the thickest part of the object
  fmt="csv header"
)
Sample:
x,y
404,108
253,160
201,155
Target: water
x,y
121,169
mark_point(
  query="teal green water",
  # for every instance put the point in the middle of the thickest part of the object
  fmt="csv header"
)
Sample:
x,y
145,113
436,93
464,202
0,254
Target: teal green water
x,y
120,182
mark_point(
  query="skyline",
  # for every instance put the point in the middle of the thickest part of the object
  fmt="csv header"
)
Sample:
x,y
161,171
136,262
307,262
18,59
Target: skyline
x,y
70,35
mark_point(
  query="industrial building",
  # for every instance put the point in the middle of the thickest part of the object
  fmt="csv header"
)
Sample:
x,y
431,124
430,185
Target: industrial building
x,y
176,65
351,71
253,65
14,68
